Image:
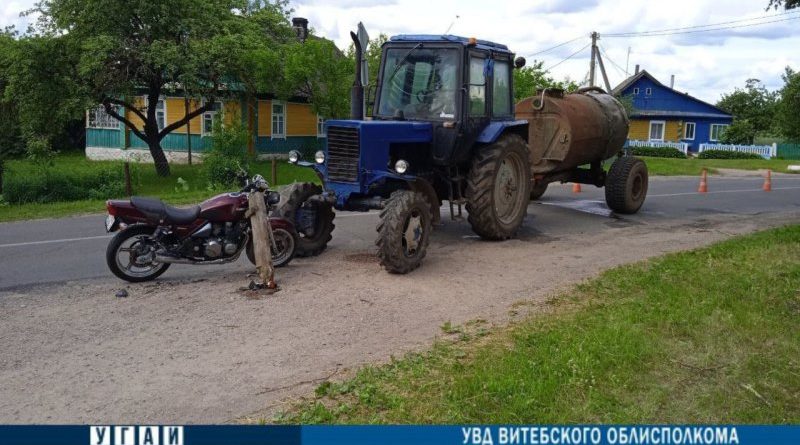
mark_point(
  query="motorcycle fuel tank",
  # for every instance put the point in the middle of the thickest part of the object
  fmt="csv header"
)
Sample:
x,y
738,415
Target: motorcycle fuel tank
x,y
224,207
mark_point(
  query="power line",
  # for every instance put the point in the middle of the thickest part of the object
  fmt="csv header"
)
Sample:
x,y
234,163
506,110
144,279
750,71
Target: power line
x,y
567,58
619,68
555,47
709,27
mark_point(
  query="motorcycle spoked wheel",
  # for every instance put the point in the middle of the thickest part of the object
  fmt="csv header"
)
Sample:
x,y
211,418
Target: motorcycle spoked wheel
x,y
130,255
287,246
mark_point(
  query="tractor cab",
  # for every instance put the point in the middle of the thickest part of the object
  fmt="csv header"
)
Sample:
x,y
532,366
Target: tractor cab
x,y
456,84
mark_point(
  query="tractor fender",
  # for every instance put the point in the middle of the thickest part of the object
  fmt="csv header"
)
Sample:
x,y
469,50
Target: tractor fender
x,y
495,129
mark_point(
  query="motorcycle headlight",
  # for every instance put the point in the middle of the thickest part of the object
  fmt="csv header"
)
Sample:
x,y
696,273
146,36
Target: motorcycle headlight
x,y
401,166
319,157
294,156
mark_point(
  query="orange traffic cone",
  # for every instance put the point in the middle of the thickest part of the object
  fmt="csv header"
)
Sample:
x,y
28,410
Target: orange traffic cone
x,y
576,188
768,182
703,182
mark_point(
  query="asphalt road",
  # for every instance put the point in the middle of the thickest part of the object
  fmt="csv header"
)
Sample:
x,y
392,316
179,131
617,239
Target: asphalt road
x,y
69,249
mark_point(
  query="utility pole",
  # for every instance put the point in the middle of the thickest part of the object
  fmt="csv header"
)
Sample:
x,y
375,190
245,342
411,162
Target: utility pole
x,y
597,58
593,62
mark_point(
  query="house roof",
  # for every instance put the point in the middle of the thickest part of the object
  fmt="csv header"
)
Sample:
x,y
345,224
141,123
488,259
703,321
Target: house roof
x,y
627,83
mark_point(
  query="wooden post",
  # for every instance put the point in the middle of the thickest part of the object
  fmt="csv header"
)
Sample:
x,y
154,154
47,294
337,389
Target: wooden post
x,y
262,238
188,130
128,187
274,171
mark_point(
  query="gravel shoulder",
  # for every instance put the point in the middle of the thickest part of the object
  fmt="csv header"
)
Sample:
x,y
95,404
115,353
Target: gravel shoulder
x,y
196,350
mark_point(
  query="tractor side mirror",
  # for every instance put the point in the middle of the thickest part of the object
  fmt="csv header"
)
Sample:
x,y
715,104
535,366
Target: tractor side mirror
x,y
519,62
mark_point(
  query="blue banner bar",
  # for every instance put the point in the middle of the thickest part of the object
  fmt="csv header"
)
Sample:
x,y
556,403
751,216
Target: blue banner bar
x,y
401,435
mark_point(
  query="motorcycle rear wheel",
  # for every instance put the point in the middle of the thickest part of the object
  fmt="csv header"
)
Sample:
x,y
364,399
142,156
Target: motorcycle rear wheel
x,y
135,245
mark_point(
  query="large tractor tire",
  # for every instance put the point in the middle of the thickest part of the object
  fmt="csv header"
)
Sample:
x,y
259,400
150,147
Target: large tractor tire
x,y
314,238
538,190
404,231
498,188
626,185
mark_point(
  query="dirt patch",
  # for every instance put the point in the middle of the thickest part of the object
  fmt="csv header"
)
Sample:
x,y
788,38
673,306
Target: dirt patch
x,y
180,351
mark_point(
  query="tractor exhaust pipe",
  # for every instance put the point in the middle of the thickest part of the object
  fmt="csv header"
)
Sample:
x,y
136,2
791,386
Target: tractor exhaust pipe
x,y
357,92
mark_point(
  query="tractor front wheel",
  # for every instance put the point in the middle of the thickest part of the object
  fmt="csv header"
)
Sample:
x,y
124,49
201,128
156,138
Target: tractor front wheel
x,y
404,231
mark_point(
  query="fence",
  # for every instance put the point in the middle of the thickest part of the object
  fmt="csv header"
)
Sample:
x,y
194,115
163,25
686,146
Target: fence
x,y
682,146
765,151
789,151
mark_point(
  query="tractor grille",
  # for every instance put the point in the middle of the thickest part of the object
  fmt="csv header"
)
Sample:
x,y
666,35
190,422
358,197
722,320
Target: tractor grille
x,y
343,151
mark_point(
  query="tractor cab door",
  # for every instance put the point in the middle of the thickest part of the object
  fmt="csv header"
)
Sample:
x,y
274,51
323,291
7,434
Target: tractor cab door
x,y
476,112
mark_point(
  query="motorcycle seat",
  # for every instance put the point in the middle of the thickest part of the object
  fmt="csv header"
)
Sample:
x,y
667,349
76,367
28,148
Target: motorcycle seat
x,y
156,209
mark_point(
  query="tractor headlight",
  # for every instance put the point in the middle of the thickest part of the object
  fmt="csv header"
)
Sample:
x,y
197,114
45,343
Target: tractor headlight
x,y
294,156
401,166
319,157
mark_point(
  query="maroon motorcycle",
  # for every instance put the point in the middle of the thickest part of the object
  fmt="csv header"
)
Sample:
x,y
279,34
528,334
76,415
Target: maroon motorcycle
x,y
153,235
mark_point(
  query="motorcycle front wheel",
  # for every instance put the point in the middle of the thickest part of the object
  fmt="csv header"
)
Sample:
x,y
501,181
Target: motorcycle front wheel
x,y
286,242
131,255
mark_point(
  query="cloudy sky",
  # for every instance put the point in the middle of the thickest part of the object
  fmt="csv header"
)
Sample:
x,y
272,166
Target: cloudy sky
x,y
705,64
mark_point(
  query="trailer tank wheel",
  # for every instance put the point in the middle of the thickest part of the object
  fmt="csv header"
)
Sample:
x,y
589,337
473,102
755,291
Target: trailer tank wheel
x,y
498,188
626,185
314,238
537,191
404,231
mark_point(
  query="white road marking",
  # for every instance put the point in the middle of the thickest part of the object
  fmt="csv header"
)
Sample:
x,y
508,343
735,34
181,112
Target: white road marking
x,y
55,241
720,191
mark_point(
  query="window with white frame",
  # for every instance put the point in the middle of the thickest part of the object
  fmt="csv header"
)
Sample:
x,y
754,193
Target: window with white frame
x,y
97,117
648,91
210,116
320,127
688,131
717,130
161,112
636,91
657,130
278,119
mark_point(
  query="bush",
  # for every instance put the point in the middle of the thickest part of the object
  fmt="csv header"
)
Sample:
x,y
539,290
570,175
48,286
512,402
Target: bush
x,y
228,154
52,184
725,154
662,152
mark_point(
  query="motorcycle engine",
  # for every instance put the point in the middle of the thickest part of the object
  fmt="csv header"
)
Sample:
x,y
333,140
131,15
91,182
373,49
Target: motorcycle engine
x,y
215,241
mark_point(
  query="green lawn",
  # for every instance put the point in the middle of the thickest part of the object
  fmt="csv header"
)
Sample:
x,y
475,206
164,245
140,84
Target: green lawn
x,y
145,182
692,167
707,336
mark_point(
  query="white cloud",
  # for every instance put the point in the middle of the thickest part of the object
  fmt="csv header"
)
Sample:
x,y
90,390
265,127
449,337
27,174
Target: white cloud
x,y
705,64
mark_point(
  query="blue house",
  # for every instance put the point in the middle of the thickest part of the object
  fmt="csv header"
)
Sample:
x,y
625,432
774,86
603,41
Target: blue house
x,y
664,116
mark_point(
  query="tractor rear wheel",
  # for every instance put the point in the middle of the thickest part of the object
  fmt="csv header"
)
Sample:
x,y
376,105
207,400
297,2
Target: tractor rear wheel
x,y
404,231
312,220
626,185
498,188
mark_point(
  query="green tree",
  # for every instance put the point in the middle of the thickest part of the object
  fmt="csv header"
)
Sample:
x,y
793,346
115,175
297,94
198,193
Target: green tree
x,y
786,4
11,143
317,70
741,131
753,109
123,47
788,114
533,77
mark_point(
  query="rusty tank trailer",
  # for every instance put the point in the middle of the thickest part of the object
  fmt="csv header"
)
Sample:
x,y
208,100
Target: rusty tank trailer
x,y
569,130
569,137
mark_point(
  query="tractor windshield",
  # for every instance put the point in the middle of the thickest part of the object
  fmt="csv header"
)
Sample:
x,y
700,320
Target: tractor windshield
x,y
420,82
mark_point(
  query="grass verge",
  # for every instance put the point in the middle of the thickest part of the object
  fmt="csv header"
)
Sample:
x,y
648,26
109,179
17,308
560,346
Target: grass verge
x,y
706,336
693,166
191,189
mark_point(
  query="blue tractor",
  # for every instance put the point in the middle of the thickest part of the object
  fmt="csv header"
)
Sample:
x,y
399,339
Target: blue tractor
x,y
442,128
